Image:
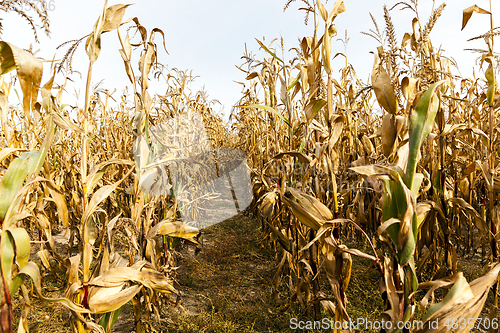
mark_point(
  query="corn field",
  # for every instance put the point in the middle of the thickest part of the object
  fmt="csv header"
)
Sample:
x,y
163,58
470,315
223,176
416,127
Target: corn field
x,y
402,171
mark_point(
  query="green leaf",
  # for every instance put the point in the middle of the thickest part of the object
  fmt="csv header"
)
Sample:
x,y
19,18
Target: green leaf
x,y
293,83
108,319
313,107
421,123
302,145
268,51
29,163
37,158
412,273
11,183
406,254
22,244
11,215
7,256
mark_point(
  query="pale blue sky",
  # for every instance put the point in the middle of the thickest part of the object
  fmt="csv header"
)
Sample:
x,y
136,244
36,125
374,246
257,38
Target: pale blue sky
x,y
208,37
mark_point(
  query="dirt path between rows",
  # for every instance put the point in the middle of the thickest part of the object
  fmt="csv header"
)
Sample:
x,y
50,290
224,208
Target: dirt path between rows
x,y
226,287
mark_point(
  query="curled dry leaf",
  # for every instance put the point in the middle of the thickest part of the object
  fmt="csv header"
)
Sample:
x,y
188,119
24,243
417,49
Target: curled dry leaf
x,y
467,13
382,86
29,71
